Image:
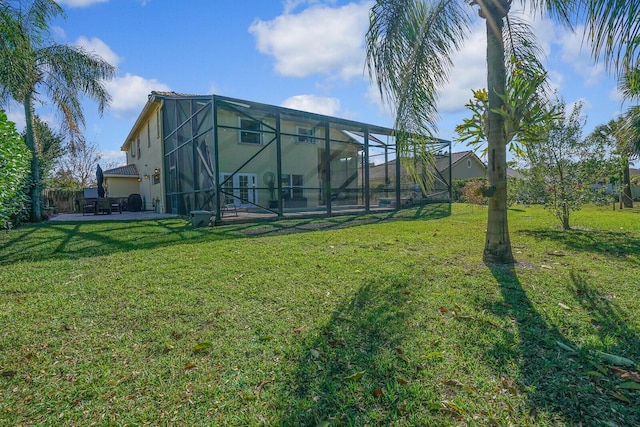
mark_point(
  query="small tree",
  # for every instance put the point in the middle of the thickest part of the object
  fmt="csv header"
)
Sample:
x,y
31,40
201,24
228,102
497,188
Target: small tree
x,y
570,168
76,169
15,161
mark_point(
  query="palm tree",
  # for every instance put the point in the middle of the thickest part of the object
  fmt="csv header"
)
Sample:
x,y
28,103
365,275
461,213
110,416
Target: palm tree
x,y
33,65
409,48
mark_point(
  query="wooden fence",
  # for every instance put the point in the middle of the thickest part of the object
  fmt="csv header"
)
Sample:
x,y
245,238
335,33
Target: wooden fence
x,y
61,201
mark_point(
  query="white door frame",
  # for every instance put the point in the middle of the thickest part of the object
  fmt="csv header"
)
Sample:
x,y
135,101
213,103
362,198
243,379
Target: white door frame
x,y
244,186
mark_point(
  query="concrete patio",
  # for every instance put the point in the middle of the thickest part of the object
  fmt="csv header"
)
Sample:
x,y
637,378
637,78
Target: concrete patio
x,y
124,216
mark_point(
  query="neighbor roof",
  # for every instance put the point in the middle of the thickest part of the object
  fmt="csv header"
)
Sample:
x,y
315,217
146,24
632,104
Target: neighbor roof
x,y
128,170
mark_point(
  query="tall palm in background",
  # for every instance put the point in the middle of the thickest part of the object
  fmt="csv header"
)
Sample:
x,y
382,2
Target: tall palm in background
x,y
410,44
33,66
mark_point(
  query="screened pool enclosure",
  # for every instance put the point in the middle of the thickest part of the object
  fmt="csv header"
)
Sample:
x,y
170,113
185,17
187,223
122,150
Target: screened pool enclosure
x,y
241,158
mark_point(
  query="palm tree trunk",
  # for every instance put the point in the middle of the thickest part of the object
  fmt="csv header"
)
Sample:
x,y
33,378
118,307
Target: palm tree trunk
x,y
626,181
497,243
30,140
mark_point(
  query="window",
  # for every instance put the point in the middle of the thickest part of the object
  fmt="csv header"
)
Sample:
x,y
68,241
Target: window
x,y
305,134
148,134
138,145
292,186
132,149
250,131
469,163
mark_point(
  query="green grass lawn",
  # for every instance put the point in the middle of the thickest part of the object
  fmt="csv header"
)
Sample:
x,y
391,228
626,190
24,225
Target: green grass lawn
x,y
355,320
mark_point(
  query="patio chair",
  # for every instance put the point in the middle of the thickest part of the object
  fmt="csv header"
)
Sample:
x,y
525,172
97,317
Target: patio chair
x,y
89,206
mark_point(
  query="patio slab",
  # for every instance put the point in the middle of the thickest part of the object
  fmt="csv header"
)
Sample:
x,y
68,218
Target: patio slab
x,y
124,216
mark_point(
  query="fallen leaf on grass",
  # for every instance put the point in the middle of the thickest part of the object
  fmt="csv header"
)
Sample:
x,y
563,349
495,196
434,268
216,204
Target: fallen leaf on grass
x,y
8,374
556,253
190,365
266,338
355,377
565,347
314,353
614,359
434,355
630,385
630,375
402,381
335,343
621,397
201,346
566,307
298,329
262,384
454,383
443,310
377,392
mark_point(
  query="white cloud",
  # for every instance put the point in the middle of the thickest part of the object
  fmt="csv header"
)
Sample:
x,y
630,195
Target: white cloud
x,y
373,96
58,33
80,3
616,95
98,47
556,80
130,92
15,113
318,40
314,104
113,157
469,72
575,53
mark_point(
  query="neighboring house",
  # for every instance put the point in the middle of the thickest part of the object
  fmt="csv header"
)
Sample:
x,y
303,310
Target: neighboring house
x,y
635,189
122,181
193,152
464,165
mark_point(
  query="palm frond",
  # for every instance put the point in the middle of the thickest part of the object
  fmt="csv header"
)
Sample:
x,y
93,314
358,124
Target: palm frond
x,y
630,130
409,48
565,12
629,84
70,72
614,31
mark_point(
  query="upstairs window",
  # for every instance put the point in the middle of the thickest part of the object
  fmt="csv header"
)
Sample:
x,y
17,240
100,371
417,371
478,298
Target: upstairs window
x,y
250,131
305,135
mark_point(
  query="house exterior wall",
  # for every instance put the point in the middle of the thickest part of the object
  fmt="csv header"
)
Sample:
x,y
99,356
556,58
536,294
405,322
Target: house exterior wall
x,y
463,170
144,149
119,186
200,144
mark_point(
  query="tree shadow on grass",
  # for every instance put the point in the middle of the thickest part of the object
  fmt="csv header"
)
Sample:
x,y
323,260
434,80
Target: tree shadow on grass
x,y
291,225
610,244
356,370
77,240
557,381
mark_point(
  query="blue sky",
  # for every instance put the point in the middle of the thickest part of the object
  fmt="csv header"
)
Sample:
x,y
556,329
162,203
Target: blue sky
x,y
303,54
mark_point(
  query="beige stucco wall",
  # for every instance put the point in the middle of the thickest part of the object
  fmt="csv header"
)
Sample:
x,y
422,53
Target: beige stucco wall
x,y
119,186
461,169
145,151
